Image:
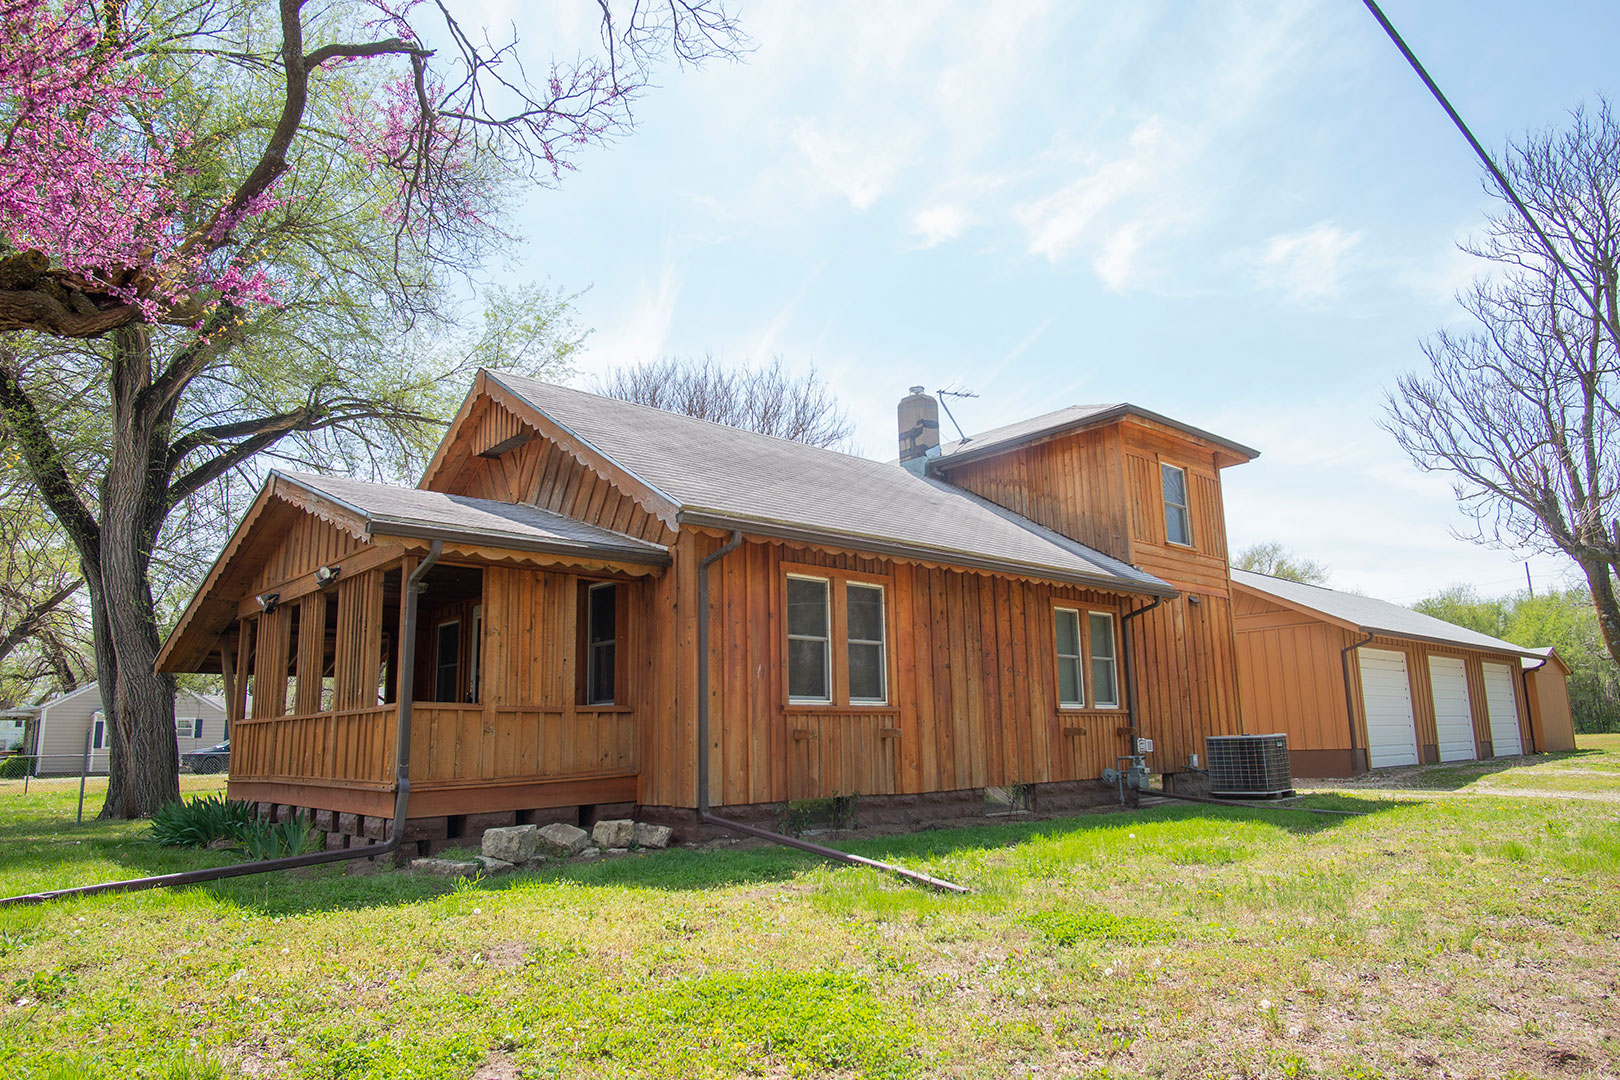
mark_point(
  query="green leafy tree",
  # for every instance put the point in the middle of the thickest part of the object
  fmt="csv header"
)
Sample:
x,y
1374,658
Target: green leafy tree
x,y
1276,561
1463,606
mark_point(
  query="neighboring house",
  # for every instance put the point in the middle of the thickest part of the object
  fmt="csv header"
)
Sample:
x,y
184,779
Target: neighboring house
x,y
1546,682
62,722
1012,610
1356,682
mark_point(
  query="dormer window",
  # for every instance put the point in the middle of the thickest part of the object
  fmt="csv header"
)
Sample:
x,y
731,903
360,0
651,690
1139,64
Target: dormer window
x,y
1177,525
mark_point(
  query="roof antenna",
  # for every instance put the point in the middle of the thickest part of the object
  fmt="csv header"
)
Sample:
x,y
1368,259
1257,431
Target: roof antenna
x,y
943,394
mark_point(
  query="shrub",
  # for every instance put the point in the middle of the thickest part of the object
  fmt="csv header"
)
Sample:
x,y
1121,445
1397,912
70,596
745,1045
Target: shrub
x,y
16,767
263,840
201,821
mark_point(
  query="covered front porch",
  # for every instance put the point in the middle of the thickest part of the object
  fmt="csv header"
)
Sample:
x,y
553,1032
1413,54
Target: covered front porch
x,y
524,671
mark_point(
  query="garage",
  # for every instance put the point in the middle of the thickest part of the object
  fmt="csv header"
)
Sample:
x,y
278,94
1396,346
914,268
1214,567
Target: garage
x,y
1387,694
1503,707
1453,712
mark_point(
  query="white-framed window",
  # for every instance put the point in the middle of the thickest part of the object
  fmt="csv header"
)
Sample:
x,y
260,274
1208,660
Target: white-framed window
x,y
98,734
809,626
1177,523
1070,660
447,660
188,727
868,651
1104,664
601,639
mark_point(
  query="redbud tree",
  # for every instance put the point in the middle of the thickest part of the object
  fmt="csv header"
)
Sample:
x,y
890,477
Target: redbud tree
x,y
231,229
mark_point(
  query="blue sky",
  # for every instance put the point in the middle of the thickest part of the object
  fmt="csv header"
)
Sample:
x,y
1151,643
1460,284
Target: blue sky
x,y
1242,214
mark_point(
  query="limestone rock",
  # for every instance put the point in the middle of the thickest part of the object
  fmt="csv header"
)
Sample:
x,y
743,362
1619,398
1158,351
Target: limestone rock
x,y
512,843
612,834
589,855
616,851
496,866
446,867
561,839
652,836
539,862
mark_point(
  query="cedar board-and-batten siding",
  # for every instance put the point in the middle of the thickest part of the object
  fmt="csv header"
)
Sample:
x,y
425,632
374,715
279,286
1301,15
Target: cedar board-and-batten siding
x,y
65,721
1292,681
1103,487
1550,716
972,670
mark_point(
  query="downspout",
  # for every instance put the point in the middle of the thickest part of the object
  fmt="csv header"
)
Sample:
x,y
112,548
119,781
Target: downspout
x,y
1349,696
1529,710
402,778
703,749
1130,668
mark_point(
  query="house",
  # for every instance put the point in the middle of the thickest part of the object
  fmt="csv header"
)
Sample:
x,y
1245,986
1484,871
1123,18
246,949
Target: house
x,y
1546,684
1358,683
57,729
608,581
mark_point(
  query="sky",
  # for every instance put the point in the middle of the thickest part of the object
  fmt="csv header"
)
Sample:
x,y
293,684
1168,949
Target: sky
x,y
1243,215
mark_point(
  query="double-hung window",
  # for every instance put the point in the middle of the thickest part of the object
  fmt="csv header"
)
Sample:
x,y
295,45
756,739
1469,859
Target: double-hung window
x,y
1070,660
867,655
1104,665
809,626
601,639
1177,524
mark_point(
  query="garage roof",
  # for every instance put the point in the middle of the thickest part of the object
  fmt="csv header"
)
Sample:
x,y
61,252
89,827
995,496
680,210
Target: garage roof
x,y
1373,616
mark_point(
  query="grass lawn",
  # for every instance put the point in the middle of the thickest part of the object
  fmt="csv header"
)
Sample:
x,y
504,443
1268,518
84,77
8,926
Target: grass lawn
x,y
1466,926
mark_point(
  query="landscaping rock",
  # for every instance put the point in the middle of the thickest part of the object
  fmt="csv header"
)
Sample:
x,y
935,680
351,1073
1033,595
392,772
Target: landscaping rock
x,y
536,863
588,855
612,834
512,844
616,851
496,866
446,867
562,840
652,836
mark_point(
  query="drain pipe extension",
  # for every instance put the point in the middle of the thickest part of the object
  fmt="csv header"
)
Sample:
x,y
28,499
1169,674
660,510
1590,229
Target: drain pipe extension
x,y
402,776
1524,681
1349,697
703,749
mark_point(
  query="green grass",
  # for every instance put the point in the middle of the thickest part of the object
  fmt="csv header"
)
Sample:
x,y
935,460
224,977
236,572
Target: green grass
x,y
1455,930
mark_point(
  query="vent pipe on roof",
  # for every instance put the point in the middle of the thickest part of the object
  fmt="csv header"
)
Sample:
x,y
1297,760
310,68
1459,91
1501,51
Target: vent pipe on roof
x,y
919,425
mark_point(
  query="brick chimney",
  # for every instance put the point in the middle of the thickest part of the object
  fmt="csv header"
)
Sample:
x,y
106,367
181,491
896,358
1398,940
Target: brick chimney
x,y
919,425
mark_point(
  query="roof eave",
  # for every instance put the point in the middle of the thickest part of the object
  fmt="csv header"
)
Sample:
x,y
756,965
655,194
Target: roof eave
x,y
382,526
1097,419
894,549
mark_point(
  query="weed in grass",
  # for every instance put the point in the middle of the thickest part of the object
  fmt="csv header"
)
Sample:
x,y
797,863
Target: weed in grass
x,y
1066,926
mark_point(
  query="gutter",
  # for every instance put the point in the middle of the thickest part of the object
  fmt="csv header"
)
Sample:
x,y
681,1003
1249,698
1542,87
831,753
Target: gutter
x,y
893,549
703,749
1349,697
402,777
649,556
1130,668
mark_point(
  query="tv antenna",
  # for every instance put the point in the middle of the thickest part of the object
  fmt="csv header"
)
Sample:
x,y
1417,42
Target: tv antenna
x,y
943,394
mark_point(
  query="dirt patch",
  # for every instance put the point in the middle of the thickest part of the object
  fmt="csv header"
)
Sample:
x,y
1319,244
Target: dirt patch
x,y
496,1067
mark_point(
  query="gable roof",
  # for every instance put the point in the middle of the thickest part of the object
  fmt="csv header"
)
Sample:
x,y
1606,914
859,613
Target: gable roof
x,y
1064,421
1372,616
724,477
432,515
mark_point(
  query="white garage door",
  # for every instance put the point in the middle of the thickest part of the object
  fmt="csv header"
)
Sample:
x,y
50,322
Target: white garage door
x,y
1504,709
1387,695
1453,712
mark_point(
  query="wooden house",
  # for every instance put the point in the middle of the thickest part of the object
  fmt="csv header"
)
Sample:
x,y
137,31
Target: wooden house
x,y
1358,683
1011,611
1546,684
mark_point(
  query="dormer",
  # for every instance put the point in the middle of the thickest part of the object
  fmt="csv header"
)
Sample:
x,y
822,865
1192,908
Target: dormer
x,y
1125,480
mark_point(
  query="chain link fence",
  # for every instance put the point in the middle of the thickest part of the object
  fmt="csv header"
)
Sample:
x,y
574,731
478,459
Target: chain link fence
x,y
85,775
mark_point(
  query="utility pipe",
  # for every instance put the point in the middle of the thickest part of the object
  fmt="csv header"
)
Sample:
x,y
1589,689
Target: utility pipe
x,y
1349,696
402,776
703,749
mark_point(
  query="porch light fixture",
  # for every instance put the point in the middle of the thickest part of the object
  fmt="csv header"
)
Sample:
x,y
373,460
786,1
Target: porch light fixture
x,y
268,601
327,574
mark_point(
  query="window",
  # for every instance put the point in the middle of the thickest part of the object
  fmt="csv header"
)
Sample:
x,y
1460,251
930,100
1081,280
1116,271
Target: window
x,y
1071,681
475,661
447,666
189,727
809,640
1104,670
868,663
98,734
601,636
1177,528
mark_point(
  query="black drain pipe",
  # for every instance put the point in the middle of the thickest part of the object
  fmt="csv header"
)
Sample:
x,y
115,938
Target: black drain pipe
x,y
402,776
703,749
1253,805
1130,668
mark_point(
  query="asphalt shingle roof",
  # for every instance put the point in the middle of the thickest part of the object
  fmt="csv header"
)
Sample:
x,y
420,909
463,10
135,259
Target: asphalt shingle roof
x,y
1375,615
717,474
1073,416
397,511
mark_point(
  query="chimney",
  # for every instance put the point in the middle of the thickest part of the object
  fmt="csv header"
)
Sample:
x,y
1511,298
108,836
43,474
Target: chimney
x,y
919,426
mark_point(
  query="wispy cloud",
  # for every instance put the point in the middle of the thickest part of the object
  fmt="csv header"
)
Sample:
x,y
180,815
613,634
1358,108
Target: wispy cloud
x,y
1308,265
940,223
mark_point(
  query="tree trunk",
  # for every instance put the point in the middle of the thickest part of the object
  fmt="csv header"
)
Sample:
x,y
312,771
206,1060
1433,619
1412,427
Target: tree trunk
x,y
144,764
